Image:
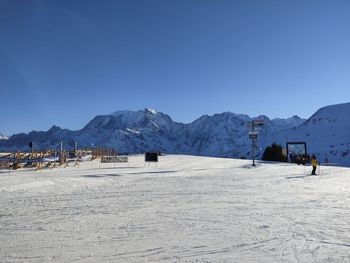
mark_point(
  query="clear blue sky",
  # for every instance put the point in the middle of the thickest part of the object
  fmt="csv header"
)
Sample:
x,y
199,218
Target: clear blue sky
x,y
64,62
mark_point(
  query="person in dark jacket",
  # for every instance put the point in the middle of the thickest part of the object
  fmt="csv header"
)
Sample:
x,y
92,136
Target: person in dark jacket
x,y
313,164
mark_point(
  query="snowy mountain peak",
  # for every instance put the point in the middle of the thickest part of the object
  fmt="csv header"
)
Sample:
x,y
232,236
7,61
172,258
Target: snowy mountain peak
x,y
288,123
133,114
3,137
152,111
53,129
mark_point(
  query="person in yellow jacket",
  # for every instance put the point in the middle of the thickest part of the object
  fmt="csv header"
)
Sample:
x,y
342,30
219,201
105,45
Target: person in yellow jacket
x,y
313,164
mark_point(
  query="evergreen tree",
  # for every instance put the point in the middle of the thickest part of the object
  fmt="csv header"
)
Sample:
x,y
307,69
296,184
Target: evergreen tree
x,y
274,153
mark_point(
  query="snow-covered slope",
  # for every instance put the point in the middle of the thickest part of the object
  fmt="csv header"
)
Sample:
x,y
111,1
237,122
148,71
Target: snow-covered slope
x,y
326,134
186,209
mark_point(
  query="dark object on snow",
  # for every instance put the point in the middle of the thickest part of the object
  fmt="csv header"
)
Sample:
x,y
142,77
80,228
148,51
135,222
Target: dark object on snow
x,y
151,157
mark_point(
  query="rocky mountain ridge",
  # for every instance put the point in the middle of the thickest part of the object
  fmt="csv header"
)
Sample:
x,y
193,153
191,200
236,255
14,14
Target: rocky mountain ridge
x,y
219,135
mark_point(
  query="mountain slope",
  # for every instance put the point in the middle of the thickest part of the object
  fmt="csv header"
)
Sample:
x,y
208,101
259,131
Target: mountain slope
x,y
326,134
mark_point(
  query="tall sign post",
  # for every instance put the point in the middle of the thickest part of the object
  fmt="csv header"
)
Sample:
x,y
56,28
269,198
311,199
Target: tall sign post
x,y
31,144
253,135
61,154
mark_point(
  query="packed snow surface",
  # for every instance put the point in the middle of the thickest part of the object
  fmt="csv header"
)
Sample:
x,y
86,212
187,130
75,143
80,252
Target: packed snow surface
x,y
185,209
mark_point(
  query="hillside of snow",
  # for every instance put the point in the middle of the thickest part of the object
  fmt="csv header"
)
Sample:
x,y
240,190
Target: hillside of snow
x,y
185,209
326,133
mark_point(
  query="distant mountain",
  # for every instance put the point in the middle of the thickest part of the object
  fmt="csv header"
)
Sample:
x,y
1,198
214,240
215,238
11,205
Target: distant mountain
x,y
223,135
294,121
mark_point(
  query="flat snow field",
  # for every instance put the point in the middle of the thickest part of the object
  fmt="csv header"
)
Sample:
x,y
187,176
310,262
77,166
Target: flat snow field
x,y
186,209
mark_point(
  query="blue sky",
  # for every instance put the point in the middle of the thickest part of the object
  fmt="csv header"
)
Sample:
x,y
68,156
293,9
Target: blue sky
x,y
64,62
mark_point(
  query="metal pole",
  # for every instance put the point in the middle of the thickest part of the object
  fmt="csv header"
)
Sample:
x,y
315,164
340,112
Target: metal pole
x,y
61,153
124,144
253,150
253,144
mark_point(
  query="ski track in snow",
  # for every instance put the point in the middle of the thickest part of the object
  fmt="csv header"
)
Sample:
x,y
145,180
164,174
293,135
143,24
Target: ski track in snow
x,y
186,209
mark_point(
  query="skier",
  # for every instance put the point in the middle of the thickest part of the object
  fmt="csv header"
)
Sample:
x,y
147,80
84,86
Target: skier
x,y
314,164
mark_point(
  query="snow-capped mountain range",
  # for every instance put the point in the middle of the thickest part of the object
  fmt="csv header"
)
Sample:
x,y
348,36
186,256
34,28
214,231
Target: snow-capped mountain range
x,y
220,135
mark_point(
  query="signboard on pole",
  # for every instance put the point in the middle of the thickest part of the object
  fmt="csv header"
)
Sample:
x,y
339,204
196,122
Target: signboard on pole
x,y
151,157
253,135
258,122
254,125
30,144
